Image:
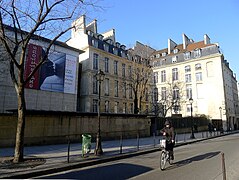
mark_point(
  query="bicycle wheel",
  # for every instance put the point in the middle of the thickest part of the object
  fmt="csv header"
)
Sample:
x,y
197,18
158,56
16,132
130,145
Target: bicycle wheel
x,y
163,160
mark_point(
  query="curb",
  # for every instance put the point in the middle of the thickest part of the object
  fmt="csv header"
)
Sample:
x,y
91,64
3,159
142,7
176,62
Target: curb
x,y
86,163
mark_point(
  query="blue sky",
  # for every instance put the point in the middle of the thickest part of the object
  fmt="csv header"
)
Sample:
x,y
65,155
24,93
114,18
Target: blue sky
x,y
152,22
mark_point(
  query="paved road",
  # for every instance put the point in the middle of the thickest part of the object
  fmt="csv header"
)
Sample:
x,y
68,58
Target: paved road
x,y
196,161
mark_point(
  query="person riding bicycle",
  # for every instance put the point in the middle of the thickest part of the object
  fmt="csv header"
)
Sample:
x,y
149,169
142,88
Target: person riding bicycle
x,y
168,132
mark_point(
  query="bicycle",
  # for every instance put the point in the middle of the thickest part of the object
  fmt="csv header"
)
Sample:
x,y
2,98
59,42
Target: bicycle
x,y
164,156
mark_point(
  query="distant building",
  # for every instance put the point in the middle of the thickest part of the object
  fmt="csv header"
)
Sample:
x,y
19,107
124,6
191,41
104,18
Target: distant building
x,y
196,70
103,52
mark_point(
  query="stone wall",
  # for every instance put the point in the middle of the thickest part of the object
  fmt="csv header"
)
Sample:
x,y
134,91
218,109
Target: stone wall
x,y
56,129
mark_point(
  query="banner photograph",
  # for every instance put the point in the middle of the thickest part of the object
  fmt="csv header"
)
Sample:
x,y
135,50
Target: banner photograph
x,y
57,74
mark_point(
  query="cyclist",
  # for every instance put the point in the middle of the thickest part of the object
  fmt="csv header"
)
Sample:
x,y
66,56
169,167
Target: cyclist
x,y
168,132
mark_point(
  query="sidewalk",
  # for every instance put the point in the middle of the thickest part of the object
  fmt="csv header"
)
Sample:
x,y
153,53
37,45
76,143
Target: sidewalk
x,y
54,158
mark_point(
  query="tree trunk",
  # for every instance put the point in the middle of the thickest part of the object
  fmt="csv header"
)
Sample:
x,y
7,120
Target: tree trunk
x,y
136,109
19,146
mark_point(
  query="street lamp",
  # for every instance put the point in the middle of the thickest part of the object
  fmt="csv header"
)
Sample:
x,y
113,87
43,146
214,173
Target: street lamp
x,y
221,125
100,75
191,103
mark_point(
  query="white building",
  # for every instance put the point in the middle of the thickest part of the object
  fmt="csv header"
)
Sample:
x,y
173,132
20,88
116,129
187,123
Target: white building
x,y
103,52
196,70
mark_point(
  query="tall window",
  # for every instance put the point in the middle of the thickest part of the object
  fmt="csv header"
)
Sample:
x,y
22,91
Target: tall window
x,y
95,43
116,67
116,88
130,71
95,61
95,86
155,77
163,93
176,93
198,66
107,106
124,107
155,94
175,74
130,92
123,70
116,107
107,85
95,105
106,47
106,64
163,76
198,76
189,91
188,78
124,90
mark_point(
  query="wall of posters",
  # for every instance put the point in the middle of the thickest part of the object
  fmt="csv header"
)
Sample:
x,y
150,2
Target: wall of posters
x,y
57,74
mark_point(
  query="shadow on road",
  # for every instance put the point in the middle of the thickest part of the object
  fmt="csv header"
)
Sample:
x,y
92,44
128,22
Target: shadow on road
x,y
115,171
192,159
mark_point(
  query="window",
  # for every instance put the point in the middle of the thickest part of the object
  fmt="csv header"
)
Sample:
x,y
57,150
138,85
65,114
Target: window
x,y
131,108
116,109
189,91
130,71
198,66
130,91
163,93
175,93
106,47
164,54
175,74
124,107
174,59
155,94
157,55
95,86
107,106
95,61
188,78
95,43
116,88
187,55
188,108
197,53
175,51
115,51
124,90
163,61
116,67
187,69
199,76
123,54
106,64
146,94
163,76
107,85
95,105
123,70
155,77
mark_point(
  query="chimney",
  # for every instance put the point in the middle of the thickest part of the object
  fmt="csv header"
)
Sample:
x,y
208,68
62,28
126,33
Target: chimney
x,y
206,39
186,41
79,26
171,45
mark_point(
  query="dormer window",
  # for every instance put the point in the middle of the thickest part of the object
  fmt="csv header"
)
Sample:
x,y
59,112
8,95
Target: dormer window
x,y
164,54
187,55
115,51
157,55
106,47
95,43
123,54
100,37
197,53
174,59
175,51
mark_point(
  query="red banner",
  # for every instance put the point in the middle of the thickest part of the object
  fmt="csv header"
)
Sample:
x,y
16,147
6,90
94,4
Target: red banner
x,y
33,58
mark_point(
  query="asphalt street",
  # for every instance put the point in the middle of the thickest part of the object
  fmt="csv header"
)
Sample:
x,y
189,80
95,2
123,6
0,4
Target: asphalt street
x,y
197,161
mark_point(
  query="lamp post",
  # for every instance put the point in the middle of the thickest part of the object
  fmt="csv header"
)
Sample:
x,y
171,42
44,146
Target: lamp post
x,y
221,125
191,103
98,148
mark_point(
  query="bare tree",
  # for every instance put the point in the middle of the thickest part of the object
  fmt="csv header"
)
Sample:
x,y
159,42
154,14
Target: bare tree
x,y
21,21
